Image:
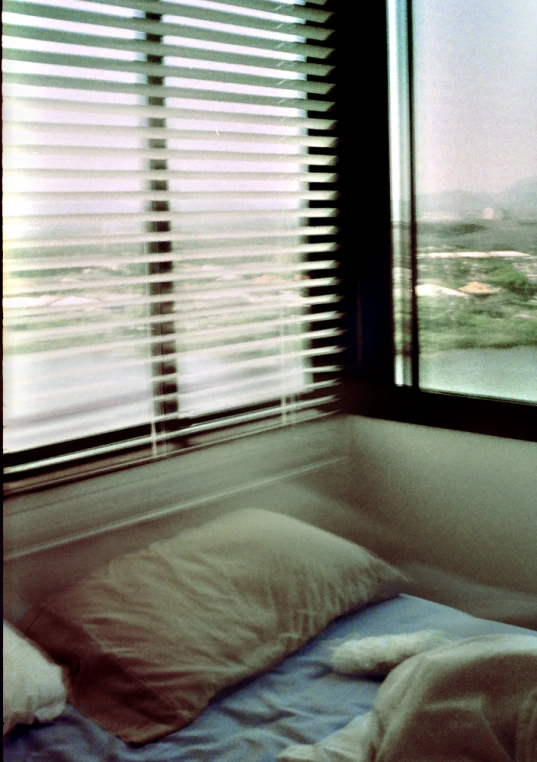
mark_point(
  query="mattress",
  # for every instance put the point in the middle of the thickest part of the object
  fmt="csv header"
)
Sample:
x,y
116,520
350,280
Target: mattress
x,y
301,700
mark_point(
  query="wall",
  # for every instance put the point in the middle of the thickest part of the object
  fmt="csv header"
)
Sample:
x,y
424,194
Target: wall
x,y
463,501
448,506
439,503
54,536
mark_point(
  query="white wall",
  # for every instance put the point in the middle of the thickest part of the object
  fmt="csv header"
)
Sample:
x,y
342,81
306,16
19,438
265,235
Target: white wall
x,y
54,536
449,507
458,502
462,501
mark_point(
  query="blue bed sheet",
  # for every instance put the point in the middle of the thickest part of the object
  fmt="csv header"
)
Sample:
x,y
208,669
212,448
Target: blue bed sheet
x,y
299,701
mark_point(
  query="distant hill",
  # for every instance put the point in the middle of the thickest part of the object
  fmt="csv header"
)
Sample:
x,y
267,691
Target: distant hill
x,y
519,201
460,203
521,198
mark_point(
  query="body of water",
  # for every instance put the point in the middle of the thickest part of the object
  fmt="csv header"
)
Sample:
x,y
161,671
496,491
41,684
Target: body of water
x,y
503,373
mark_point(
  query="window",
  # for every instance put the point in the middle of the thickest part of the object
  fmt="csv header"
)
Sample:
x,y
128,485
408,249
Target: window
x,y
457,355
169,223
199,199
468,203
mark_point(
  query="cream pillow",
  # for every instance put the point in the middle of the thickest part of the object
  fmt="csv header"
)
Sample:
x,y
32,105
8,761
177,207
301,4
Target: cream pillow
x,y
153,636
33,684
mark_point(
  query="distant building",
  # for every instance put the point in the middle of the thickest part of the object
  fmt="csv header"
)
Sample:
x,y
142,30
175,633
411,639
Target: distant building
x,y
479,289
431,289
492,213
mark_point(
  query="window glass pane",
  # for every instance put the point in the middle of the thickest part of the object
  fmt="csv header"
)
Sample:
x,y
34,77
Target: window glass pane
x,y
475,117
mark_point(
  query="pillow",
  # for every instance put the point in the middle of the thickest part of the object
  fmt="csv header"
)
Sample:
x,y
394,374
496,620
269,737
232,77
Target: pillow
x,y
153,636
33,685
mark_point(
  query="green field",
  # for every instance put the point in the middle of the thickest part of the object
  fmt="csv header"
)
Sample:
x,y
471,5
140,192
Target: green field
x,y
505,318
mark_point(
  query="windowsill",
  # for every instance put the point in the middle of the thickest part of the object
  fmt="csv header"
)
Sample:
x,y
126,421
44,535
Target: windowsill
x,y
480,415
64,514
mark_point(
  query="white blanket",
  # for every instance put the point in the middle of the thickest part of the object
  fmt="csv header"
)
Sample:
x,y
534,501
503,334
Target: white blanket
x,y
470,701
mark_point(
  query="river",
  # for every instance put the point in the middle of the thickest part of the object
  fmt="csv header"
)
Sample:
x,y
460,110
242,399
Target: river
x,y
505,373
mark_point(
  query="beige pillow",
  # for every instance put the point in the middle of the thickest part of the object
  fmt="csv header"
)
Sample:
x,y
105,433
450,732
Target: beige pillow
x,y
152,637
33,688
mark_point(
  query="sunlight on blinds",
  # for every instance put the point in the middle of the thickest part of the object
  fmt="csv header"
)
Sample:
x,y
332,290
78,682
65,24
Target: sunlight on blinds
x,y
169,220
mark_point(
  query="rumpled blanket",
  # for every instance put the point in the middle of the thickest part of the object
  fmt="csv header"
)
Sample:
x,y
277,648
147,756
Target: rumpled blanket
x,y
474,700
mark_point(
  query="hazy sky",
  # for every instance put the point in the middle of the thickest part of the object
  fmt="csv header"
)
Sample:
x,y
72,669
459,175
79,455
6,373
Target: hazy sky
x,y
476,93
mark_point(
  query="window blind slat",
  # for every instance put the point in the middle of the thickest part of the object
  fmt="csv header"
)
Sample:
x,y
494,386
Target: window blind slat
x,y
282,290
217,335
285,66
185,256
190,276
291,408
112,239
49,313
240,399
209,218
217,120
266,416
229,37
276,6
234,365
186,73
239,347
216,178
239,18
195,14
15,130
166,91
269,375
180,196
207,153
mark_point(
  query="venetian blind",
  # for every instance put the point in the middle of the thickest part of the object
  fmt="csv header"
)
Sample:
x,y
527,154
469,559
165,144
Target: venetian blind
x,y
169,221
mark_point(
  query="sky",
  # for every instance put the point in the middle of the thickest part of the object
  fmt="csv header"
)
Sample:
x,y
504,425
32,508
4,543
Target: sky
x,y
476,93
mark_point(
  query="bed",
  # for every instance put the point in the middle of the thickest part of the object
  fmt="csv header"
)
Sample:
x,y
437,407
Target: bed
x,y
297,699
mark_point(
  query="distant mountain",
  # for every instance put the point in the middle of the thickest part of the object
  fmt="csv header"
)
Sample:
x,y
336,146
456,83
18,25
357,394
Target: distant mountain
x,y
520,198
460,203
519,201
